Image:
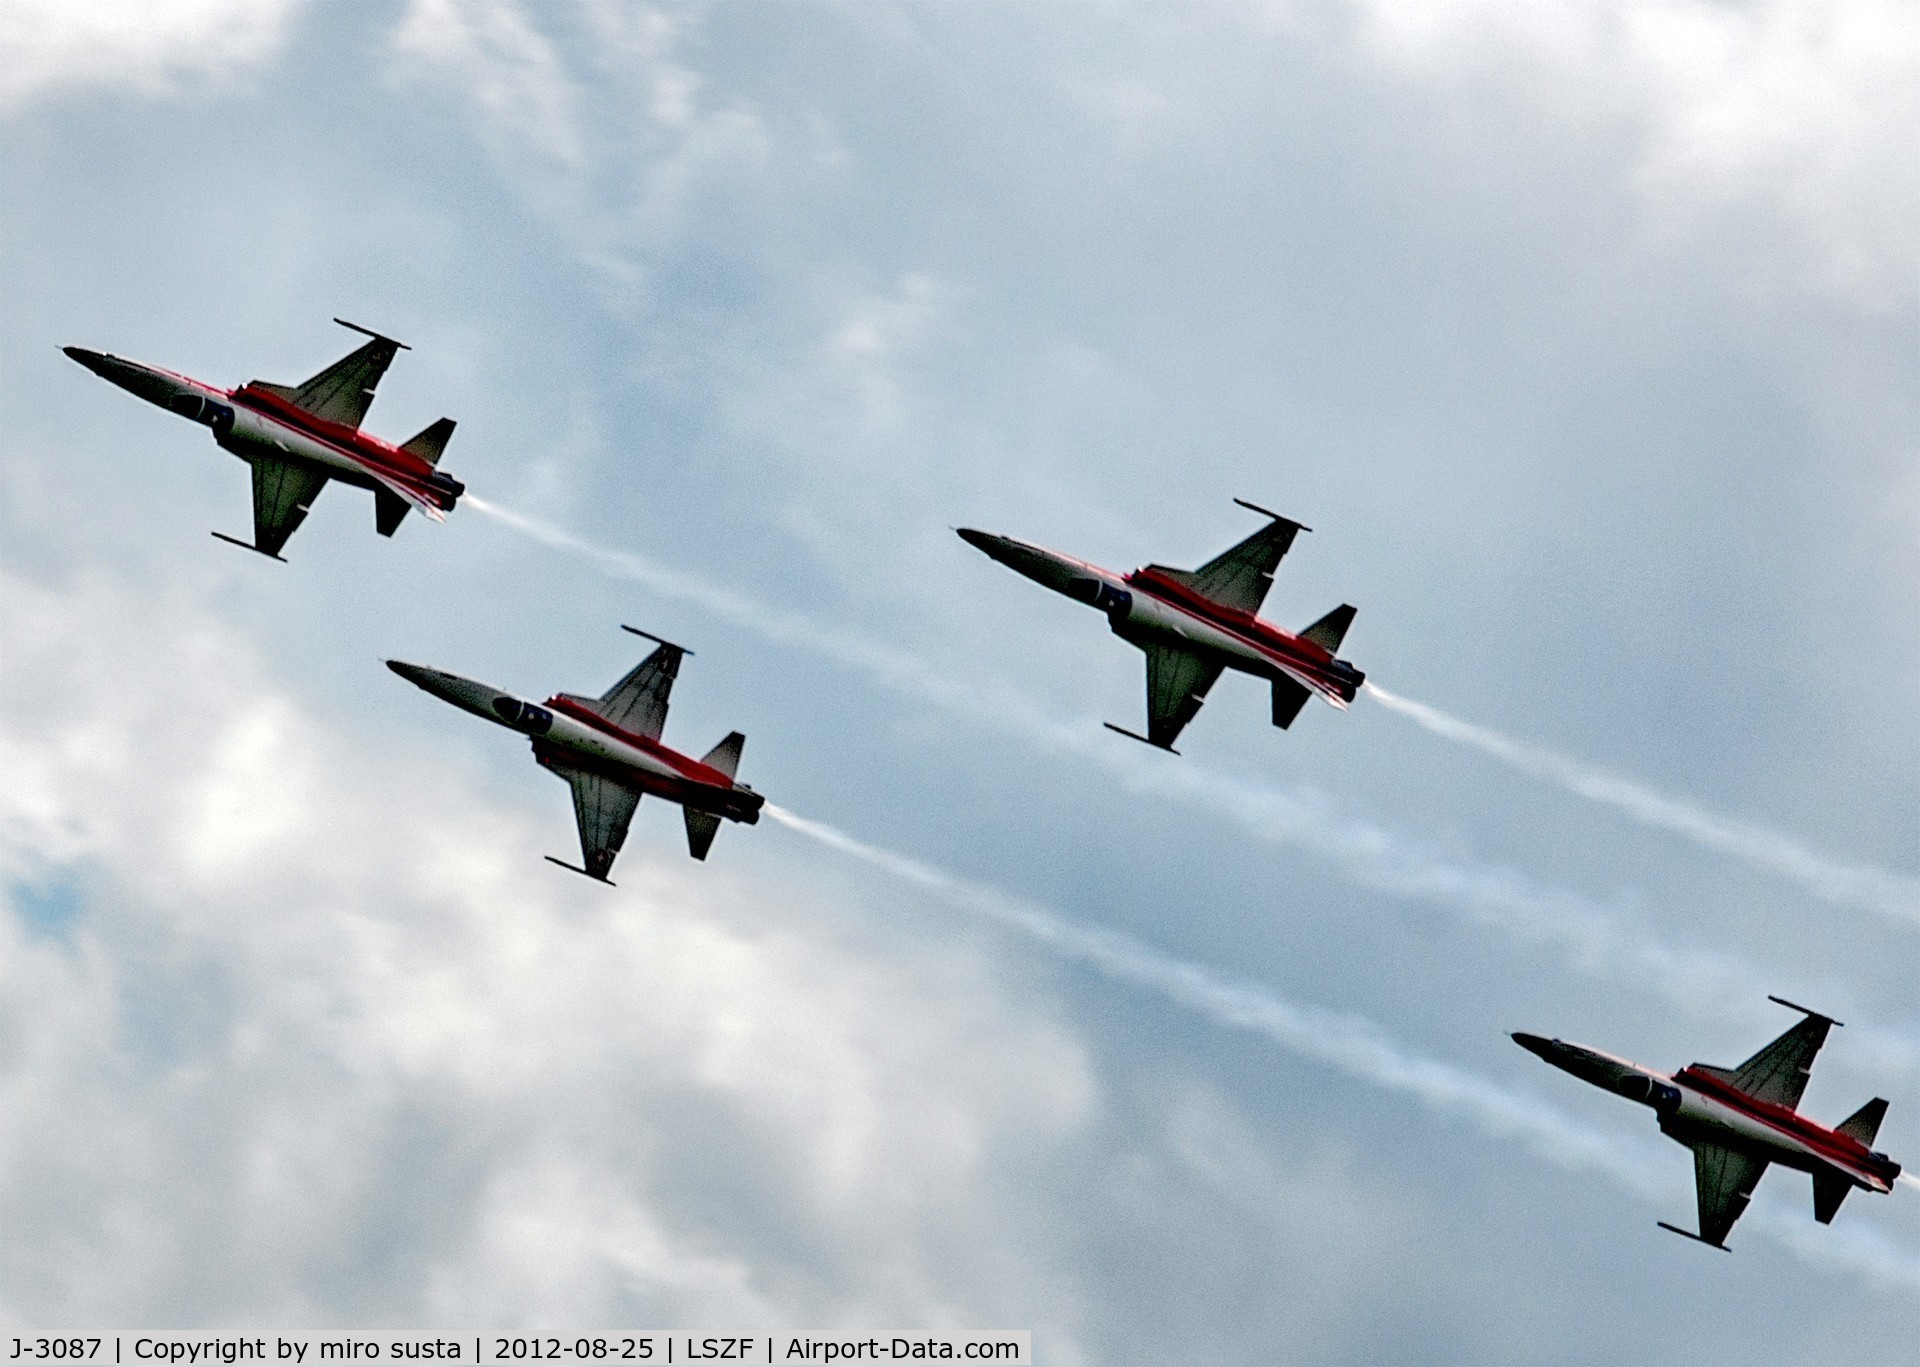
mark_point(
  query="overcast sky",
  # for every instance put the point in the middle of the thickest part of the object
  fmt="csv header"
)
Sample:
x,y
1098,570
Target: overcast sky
x,y
1585,337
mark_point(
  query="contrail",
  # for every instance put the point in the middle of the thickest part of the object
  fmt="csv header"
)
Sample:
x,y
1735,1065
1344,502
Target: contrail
x,y
1357,1048
1598,940
1869,889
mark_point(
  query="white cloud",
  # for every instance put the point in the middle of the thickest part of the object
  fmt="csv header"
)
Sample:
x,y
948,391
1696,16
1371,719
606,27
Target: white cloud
x,y
513,76
613,142
1800,112
326,1037
148,47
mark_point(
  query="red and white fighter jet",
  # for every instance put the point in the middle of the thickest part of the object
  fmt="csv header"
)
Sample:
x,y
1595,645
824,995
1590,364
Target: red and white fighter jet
x,y
608,748
1738,1120
1193,624
297,437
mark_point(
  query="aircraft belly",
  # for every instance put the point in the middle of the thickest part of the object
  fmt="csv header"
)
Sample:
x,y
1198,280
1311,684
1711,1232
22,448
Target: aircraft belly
x,y
1721,1124
586,740
256,433
1149,617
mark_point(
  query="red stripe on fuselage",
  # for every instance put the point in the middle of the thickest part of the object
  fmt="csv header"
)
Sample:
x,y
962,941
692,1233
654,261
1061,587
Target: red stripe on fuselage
x,y
350,441
702,775
1283,647
1842,1150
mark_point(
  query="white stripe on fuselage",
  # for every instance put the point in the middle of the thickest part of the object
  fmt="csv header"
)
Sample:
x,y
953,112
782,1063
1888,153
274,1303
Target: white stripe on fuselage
x,y
1702,1110
575,734
1167,618
264,429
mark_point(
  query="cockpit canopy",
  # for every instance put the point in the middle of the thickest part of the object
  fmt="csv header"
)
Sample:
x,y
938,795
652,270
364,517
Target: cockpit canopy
x,y
202,409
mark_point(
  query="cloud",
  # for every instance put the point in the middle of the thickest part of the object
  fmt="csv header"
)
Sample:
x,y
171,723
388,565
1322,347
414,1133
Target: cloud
x,y
1358,1048
590,116
1869,889
50,47
324,1040
1797,111
1594,939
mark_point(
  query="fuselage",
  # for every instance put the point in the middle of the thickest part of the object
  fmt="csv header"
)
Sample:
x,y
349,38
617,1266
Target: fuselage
x,y
252,421
1151,604
566,732
1694,1106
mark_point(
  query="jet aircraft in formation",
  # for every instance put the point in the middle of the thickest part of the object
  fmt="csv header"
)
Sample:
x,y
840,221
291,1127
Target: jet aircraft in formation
x,y
1738,1120
297,437
608,748
1193,624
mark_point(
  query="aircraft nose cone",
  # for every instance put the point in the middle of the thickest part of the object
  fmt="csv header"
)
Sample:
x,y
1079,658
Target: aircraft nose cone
x,y
92,360
1533,1044
413,674
980,541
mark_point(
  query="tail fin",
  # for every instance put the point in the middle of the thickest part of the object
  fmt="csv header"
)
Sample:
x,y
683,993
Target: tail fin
x,y
701,829
725,756
1864,1123
1329,631
431,441
388,509
1830,1188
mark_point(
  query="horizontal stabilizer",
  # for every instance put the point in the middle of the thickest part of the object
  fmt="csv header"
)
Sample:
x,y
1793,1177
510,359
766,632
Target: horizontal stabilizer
x,y
701,829
431,441
388,509
1830,1188
1864,1123
1288,698
726,755
1331,630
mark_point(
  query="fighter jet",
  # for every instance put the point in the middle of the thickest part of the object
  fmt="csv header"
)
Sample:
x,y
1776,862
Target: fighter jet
x,y
1192,624
1738,1120
609,749
297,437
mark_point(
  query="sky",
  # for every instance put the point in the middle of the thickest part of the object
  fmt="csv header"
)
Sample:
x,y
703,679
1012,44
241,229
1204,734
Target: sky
x,y
1585,337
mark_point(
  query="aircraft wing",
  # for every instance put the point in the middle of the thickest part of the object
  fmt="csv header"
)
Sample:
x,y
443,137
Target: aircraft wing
x,y
1778,1073
1177,683
602,809
638,703
282,493
1724,1180
1240,577
343,392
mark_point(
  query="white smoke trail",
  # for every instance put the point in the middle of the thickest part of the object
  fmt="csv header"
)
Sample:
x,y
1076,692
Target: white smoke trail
x,y
1869,889
1359,1049
1597,940
1349,1043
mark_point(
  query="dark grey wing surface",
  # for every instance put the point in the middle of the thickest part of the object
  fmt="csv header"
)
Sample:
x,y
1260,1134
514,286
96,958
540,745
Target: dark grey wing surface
x,y
603,810
1177,683
343,392
1778,1073
1724,1180
1240,577
638,703
282,493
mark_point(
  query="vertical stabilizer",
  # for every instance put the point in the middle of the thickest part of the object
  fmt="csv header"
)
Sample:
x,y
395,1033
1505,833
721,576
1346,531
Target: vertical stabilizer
x,y
726,755
431,441
1864,1123
1331,630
